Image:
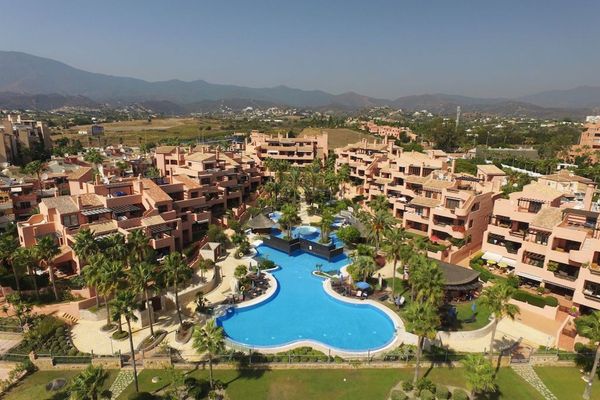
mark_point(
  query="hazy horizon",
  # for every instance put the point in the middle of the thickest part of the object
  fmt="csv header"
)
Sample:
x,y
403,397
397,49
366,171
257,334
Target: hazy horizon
x,y
381,49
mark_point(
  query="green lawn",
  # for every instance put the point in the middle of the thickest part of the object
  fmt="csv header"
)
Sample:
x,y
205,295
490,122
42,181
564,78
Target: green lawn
x,y
352,384
33,387
566,382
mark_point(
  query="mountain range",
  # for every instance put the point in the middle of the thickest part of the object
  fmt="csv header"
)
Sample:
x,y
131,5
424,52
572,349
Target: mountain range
x,y
28,81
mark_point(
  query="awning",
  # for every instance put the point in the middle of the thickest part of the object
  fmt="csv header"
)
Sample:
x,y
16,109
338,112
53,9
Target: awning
x,y
529,276
96,211
488,255
156,229
508,261
125,208
559,285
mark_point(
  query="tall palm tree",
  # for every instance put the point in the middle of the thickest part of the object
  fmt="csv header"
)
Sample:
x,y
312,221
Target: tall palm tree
x,y
8,245
139,244
293,183
497,299
177,271
422,320
36,168
85,245
396,248
479,374
289,218
24,258
88,384
326,221
343,177
364,266
45,250
124,304
588,326
378,223
209,339
92,274
426,281
142,275
116,248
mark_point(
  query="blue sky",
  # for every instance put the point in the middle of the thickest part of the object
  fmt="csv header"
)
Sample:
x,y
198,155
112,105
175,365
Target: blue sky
x,y
379,48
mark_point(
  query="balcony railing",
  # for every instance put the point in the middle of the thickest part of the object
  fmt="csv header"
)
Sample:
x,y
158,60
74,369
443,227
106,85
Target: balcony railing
x,y
565,275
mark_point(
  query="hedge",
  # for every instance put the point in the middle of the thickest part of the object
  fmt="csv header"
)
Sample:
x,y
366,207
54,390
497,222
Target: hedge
x,y
535,300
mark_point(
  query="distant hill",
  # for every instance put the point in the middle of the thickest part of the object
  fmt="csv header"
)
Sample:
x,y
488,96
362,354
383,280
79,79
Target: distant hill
x,y
28,81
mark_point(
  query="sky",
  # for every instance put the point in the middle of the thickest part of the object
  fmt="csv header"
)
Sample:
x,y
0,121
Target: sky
x,y
378,48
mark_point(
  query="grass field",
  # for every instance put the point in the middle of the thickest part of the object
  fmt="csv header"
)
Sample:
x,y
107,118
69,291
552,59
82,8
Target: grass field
x,y
333,384
338,137
34,386
566,383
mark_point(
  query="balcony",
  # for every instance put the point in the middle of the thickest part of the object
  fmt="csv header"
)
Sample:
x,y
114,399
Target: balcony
x,y
563,271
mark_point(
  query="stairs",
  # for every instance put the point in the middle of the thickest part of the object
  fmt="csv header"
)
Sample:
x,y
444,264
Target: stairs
x,y
70,318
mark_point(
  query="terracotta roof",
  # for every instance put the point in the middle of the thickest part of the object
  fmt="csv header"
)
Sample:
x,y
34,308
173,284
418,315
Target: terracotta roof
x,y
229,159
416,179
154,220
425,202
102,228
63,204
187,181
541,192
455,275
199,157
490,169
438,184
154,191
89,200
78,173
566,176
548,217
165,149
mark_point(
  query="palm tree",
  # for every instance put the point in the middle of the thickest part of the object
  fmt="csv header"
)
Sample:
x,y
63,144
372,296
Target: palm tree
x,y
93,156
479,374
116,248
343,177
422,320
142,275
92,274
209,339
139,244
45,250
588,326
289,218
293,184
8,245
364,266
378,223
35,167
111,274
497,299
177,271
396,248
24,257
124,305
426,280
326,221
85,245
88,384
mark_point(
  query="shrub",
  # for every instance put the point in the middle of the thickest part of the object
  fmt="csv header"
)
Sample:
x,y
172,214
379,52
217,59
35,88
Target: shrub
x,y
425,384
442,392
426,395
459,394
348,234
530,298
551,301
513,281
398,395
407,386
266,264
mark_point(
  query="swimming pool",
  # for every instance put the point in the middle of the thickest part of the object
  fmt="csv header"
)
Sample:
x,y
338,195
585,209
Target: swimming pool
x,y
302,310
313,234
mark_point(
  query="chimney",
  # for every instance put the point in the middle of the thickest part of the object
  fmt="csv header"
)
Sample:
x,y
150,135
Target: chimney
x,y
453,166
587,199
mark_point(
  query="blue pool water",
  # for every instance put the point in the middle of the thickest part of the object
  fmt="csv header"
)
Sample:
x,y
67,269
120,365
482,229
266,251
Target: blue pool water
x,y
300,231
301,310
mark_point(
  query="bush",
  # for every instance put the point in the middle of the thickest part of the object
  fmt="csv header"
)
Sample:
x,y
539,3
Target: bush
x,y
398,395
442,392
513,281
266,264
459,394
120,335
551,301
530,298
407,386
141,396
425,384
426,395
348,234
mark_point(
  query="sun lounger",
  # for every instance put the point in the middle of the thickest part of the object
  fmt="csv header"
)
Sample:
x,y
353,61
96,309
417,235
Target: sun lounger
x,y
359,293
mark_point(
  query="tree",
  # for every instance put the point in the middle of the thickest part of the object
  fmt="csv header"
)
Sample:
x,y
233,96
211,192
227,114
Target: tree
x,y
110,275
326,221
209,339
85,245
177,271
497,299
289,218
293,184
426,280
377,223
93,156
348,234
24,257
88,384
362,267
396,248
240,272
45,250
379,203
21,308
139,244
479,374
122,166
8,246
35,168
343,177
422,319
115,247
142,276
588,326
124,305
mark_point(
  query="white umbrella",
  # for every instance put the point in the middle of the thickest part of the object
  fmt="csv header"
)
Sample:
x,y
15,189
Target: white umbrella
x,y
234,284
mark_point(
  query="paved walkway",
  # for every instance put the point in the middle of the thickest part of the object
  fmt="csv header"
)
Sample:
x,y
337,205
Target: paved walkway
x,y
122,381
529,375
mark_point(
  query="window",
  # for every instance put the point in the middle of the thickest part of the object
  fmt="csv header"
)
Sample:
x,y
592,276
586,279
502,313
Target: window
x,y
70,220
534,207
475,207
162,209
542,238
470,223
452,203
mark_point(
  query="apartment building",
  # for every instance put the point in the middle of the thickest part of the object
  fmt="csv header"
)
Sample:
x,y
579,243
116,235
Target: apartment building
x,y
19,135
395,132
425,194
550,237
589,142
297,151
